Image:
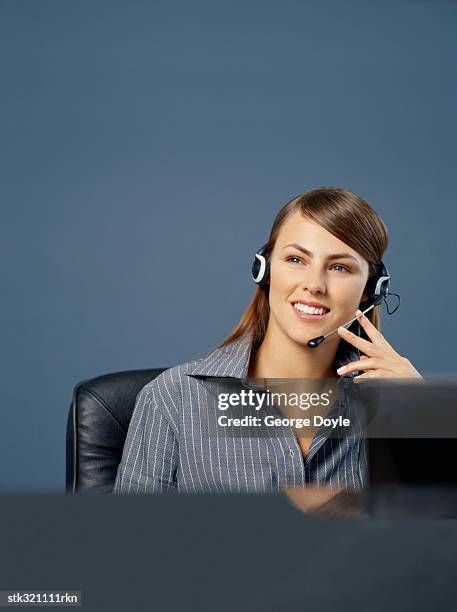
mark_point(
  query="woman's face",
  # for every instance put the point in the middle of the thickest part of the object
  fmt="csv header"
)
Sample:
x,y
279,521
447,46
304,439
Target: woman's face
x,y
325,270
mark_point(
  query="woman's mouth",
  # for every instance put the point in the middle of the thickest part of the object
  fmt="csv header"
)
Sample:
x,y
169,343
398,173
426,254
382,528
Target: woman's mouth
x,y
309,313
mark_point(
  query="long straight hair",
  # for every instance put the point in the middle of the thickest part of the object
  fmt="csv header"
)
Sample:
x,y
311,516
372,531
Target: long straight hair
x,y
345,215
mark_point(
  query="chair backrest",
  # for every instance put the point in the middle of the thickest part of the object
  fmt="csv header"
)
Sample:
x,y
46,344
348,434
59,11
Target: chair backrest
x,y
97,425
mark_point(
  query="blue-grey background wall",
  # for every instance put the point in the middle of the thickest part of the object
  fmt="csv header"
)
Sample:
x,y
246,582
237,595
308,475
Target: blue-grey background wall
x,y
145,150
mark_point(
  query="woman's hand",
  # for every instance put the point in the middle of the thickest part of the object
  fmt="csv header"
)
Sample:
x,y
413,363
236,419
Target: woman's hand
x,y
380,359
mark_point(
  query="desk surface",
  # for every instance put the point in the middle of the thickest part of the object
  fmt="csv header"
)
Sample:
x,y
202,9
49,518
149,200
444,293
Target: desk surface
x,y
221,553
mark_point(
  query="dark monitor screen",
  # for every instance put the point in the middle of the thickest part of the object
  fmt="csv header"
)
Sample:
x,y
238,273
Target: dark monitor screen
x,y
412,432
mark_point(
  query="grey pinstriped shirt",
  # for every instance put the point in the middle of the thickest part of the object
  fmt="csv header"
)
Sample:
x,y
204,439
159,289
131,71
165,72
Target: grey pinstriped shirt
x,y
169,446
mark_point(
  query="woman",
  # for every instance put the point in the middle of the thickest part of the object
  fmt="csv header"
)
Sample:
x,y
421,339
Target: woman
x,y
324,247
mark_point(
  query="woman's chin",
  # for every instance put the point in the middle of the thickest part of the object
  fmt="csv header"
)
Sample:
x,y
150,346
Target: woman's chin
x,y
303,336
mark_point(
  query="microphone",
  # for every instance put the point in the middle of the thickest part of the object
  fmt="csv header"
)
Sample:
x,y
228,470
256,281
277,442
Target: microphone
x,y
316,341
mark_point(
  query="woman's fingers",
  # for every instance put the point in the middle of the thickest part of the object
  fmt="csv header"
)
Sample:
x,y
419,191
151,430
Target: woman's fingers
x,y
380,360
361,364
369,348
374,334
372,374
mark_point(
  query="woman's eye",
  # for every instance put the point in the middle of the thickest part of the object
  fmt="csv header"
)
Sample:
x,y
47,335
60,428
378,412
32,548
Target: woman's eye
x,y
343,268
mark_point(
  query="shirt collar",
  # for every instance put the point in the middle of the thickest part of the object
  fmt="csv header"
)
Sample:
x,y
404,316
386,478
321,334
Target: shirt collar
x,y
229,360
233,360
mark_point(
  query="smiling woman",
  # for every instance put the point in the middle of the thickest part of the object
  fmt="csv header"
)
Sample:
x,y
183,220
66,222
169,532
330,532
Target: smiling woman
x,y
324,250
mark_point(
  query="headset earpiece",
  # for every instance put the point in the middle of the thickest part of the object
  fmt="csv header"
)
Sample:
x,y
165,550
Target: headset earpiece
x,y
261,267
377,287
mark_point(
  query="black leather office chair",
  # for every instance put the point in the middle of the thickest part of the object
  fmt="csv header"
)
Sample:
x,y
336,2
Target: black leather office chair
x,y
97,425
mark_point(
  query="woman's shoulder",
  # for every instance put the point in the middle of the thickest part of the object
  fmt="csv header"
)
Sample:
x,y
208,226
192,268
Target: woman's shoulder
x,y
167,387
169,383
164,393
180,381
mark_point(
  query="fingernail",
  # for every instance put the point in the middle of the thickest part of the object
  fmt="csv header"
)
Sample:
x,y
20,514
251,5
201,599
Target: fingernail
x,y
343,329
359,312
340,370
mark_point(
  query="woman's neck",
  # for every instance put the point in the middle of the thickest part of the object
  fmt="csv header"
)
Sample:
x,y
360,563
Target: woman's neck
x,y
280,357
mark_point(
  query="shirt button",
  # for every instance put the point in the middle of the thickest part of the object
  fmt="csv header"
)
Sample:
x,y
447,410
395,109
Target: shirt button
x,y
291,452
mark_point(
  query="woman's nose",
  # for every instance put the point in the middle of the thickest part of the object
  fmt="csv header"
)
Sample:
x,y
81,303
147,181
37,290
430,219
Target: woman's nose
x,y
314,283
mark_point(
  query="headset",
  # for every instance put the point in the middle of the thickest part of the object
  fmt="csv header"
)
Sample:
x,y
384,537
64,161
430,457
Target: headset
x,y
377,289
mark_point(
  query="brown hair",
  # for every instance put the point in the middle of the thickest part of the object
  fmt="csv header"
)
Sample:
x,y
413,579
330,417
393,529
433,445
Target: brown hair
x,y
342,213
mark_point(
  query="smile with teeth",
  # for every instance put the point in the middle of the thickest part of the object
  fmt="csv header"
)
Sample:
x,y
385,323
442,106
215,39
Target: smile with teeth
x,y
309,309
